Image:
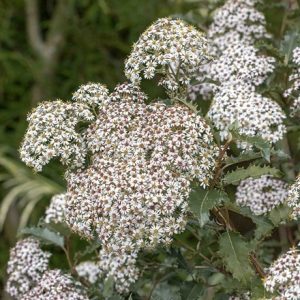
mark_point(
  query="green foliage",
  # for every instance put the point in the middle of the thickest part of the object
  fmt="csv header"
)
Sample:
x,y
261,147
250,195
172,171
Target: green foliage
x,y
165,291
256,141
191,291
253,171
45,235
108,288
202,201
234,252
280,214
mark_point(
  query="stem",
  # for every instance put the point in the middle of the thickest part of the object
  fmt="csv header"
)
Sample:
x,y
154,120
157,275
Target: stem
x,y
257,266
288,168
222,152
67,250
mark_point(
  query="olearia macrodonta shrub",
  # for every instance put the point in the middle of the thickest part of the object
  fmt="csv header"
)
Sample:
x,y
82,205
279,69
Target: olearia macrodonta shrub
x,y
173,198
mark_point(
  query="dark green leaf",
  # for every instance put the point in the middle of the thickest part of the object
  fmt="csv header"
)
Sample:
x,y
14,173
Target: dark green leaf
x,y
243,157
108,287
290,41
165,291
263,227
258,142
253,171
45,235
234,252
194,292
201,201
280,214
61,228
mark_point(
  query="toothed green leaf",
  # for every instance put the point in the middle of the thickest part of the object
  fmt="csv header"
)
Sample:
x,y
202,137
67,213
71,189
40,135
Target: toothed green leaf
x,y
253,171
234,252
202,201
45,235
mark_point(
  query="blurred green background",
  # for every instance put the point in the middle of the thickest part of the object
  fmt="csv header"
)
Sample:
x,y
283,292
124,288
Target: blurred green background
x,y
47,49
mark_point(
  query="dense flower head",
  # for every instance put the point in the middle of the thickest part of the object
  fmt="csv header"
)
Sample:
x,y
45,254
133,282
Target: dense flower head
x,y
55,285
240,62
92,94
89,270
237,22
133,195
52,133
262,194
25,268
156,152
294,80
120,266
283,276
55,213
122,114
146,202
170,48
293,199
254,114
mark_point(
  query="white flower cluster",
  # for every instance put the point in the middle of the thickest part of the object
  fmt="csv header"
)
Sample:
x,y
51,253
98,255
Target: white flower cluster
x,y
294,78
237,69
55,213
237,63
236,26
55,285
283,276
25,268
261,195
89,270
52,133
293,199
121,266
255,114
237,22
93,94
241,62
133,195
170,48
